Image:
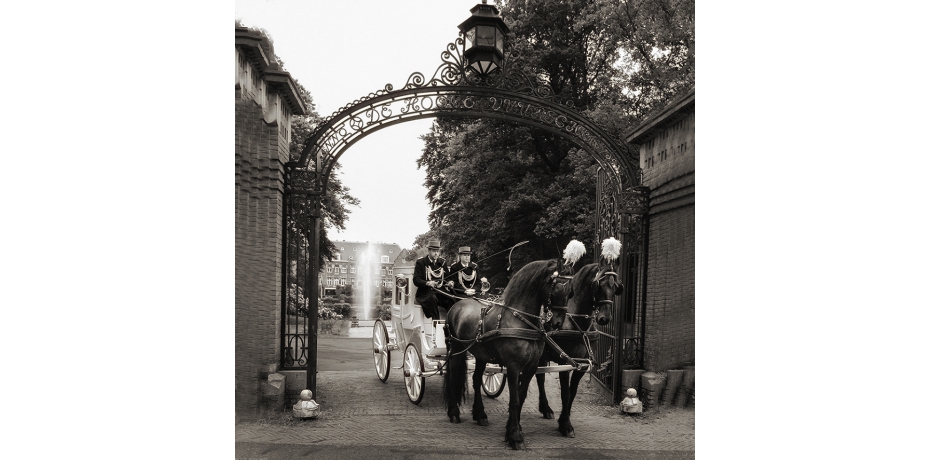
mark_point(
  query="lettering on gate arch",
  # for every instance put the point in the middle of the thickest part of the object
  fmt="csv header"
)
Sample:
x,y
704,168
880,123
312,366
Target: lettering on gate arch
x,y
510,95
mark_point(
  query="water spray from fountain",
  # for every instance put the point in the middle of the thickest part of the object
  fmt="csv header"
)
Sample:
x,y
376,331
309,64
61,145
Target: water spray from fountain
x,y
367,261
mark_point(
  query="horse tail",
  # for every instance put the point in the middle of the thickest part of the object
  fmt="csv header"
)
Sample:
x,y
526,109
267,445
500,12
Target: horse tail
x,y
453,385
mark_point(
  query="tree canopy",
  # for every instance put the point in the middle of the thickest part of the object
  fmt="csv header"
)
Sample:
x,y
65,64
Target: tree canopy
x,y
493,184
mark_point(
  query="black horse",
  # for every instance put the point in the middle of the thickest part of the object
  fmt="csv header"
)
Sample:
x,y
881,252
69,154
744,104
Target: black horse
x,y
593,291
509,334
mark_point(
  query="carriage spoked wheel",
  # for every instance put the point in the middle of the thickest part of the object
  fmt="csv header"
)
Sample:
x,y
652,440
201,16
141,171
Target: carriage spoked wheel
x,y
413,376
379,347
492,384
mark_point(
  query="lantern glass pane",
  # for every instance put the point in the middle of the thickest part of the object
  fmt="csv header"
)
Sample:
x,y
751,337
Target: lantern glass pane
x,y
500,41
470,38
485,36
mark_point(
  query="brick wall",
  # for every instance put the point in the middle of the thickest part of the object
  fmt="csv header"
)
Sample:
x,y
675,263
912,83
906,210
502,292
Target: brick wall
x,y
669,153
667,156
669,340
261,148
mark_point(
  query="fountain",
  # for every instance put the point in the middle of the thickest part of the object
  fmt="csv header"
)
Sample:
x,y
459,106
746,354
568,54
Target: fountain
x,y
365,295
364,298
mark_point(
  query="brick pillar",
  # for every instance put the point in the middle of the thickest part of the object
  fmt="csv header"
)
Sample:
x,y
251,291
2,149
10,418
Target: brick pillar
x,y
266,97
259,219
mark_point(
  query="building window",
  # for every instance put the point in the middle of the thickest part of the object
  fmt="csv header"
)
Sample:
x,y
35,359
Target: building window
x,y
390,271
343,269
385,260
383,272
329,268
352,269
337,256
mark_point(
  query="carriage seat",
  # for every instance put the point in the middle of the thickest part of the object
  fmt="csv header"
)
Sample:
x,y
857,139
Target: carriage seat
x,y
442,310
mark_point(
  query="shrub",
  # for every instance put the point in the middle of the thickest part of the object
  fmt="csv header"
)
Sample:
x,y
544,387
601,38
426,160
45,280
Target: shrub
x,y
384,312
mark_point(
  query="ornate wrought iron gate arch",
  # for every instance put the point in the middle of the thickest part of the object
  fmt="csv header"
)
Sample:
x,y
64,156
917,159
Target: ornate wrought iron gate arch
x,y
512,95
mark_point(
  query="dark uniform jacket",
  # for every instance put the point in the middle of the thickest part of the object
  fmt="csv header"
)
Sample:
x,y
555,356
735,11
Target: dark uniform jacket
x,y
460,273
424,292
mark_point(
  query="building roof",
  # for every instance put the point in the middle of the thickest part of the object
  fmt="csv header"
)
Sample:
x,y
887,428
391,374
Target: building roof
x,y
260,53
349,249
400,260
658,120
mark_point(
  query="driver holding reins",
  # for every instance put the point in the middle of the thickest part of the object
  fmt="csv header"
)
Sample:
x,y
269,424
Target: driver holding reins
x,y
428,276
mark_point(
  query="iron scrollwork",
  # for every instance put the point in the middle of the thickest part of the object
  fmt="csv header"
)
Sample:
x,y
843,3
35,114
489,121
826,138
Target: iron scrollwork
x,y
510,94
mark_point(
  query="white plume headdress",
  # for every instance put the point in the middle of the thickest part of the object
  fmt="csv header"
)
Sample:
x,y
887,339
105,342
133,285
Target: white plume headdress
x,y
610,249
573,252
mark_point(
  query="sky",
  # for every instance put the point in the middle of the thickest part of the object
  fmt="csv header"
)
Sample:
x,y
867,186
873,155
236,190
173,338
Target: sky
x,y
341,51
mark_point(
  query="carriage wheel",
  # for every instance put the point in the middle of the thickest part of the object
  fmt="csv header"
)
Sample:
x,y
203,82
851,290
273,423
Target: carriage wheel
x,y
493,384
379,347
413,379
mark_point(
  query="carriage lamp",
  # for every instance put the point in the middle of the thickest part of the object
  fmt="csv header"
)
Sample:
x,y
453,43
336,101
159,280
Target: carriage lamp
x,y
484,38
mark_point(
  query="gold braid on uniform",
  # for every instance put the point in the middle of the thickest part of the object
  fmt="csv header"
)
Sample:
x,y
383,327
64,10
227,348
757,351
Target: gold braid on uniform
x,y
430,273
463,277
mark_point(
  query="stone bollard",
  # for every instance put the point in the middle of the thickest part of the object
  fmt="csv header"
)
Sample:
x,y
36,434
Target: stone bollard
x,y
671,387
686,389
629,378
653,384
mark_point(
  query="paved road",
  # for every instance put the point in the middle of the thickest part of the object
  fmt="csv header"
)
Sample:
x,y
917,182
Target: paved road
x,y
364,418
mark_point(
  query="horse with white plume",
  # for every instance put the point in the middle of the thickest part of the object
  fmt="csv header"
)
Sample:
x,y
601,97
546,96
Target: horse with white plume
x,y
591,300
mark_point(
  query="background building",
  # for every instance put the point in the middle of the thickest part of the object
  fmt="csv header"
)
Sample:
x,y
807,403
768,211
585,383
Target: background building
x,y
353,258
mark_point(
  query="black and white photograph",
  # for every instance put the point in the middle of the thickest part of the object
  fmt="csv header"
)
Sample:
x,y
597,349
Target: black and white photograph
x,y
443,229
465,222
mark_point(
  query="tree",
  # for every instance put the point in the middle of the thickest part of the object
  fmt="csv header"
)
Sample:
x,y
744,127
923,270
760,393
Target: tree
x,y
335,202
493,184
334,205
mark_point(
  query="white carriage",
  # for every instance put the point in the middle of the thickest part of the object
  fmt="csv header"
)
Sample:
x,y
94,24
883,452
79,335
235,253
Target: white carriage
x,y
421,340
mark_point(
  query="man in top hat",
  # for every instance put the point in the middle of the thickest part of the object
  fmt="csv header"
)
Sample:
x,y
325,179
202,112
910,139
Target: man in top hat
x,y
429,275
464,273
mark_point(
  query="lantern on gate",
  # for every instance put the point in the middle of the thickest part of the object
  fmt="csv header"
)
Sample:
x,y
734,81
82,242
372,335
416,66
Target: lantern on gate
x,y
484,38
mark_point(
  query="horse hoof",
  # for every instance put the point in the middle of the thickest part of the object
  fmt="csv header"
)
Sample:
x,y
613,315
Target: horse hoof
x,y
483,422
570,434
455,419
519,445
548,415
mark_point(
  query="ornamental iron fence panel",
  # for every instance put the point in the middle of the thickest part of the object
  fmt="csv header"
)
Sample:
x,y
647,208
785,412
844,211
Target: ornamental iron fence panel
x,y
620,345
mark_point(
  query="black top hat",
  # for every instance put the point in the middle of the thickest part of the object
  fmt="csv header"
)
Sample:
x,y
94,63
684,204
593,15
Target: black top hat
x,y
465,250
433,244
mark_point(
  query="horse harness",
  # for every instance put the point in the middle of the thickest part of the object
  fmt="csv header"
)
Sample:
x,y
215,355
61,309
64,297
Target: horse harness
x,y
588,335
536,332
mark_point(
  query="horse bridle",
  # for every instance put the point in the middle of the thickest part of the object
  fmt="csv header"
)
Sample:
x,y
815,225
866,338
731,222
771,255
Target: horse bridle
x,y
549,306
597,303
594,284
